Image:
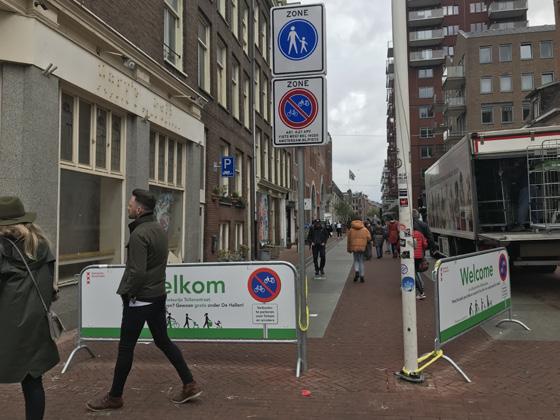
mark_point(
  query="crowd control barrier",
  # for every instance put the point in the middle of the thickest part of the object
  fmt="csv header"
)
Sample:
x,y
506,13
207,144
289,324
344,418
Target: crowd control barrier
x,y
233,301
469,290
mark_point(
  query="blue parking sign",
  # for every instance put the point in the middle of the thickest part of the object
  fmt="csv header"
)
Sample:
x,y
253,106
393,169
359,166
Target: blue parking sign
x,y
228,166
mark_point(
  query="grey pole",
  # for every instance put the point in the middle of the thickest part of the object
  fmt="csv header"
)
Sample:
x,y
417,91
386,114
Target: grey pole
x,y
302,335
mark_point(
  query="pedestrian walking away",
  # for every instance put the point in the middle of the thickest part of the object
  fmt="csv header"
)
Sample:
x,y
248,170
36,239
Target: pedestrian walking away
x,y
317,240
357,240
142,290
393,233
339,229
369,247
27,350
378,238
420,245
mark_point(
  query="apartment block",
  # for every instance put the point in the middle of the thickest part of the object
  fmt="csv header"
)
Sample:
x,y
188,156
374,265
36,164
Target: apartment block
x,y
491,73
433,26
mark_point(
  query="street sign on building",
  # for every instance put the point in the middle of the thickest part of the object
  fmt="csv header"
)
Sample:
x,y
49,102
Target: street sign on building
x,y
298,40
228,166
300,116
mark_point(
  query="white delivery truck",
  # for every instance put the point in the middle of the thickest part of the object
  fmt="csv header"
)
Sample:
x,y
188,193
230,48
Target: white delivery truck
x,y
499,188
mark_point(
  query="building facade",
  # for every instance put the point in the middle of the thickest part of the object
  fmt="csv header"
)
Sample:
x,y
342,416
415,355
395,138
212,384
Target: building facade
x,y
87,115
389,174
486,82
433,26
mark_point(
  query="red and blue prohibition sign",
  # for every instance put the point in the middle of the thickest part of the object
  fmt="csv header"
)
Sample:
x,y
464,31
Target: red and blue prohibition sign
x,y
503,267
298,108
264,285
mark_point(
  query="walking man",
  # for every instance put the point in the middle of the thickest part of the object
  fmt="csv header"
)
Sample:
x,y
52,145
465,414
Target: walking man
x,y
142,290
339,229
317,239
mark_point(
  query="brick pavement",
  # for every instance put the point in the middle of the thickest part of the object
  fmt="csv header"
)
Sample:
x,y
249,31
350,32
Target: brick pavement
x,y
350,375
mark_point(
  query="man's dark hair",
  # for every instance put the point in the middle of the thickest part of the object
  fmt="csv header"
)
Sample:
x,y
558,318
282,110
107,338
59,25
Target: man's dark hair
x,y
145,198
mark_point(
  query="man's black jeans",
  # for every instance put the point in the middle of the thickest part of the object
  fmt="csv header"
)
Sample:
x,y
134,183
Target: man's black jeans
x,y
131,326
318,250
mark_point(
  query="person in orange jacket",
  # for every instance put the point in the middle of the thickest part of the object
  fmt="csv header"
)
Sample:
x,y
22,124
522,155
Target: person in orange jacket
x,y
358,238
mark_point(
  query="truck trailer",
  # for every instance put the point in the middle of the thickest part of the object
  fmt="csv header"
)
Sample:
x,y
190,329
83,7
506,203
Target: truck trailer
x,y
499,188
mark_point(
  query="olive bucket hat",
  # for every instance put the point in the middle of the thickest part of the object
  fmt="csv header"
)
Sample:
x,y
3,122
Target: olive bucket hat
x,y
12,212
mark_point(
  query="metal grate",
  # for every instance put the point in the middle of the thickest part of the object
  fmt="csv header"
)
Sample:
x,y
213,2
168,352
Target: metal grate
x,y
543,166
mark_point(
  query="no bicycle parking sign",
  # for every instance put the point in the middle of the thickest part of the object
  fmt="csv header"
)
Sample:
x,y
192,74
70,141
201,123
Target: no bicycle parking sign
x,y
300,114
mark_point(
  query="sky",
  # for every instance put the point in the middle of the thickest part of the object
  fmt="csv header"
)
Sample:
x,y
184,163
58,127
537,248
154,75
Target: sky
x,y
357,36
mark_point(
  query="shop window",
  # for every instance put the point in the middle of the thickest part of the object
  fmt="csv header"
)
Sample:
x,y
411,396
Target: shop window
x,y
91,221
166,181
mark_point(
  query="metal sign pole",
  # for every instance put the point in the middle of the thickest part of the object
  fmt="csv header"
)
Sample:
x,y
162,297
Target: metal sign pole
x,y
301,280
410,370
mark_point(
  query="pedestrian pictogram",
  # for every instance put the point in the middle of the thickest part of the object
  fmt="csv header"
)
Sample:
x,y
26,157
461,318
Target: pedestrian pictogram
x,y
297,39
264,285
298,108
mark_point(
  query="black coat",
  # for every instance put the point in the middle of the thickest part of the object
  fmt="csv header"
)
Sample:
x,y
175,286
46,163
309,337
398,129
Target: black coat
x,y
317,235
26,346
147,249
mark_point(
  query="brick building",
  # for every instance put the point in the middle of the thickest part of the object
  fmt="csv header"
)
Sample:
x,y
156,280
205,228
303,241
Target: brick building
x,y
432,29
94,105
389,175
486,82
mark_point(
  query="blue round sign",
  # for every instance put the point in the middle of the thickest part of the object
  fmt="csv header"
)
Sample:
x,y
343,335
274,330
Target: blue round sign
x,y
264,285
298,108
503,266
297,39
408,284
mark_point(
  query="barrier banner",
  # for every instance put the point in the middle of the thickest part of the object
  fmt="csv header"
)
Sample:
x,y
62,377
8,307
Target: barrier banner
x,y
207,301
471,289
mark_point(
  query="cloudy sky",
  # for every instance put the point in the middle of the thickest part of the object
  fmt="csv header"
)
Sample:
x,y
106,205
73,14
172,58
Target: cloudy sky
x,y
357,36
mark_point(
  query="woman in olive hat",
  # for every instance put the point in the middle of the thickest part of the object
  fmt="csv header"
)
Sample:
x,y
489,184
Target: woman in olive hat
x,y
27,350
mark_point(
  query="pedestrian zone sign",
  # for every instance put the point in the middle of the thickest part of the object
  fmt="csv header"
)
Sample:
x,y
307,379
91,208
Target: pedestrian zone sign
x,y
298,39
299,111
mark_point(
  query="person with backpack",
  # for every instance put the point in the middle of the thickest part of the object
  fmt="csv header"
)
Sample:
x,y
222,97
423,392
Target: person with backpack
x,y
420,245
393,236
378,238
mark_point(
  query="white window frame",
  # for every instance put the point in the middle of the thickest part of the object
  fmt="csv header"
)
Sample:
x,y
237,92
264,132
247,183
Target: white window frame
x,y
263,37
222,9
245,29
530,51
177,15
238,236
259,154
179,148
224,181
221,77
235,18
256,15
264,94
223,237
483,92
204,50
546,73
235,88
503,78
551,48
92,167
256,92
246,110
532,78
239,174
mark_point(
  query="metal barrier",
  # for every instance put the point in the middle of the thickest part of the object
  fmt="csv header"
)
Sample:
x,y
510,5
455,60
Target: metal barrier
x,y
461,282
218,302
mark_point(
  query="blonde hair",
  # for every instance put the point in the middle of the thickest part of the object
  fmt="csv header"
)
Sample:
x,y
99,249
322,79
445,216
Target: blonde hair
x,y
31,234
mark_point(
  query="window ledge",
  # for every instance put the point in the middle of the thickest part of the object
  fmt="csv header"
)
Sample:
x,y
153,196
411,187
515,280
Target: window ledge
x,y
175,67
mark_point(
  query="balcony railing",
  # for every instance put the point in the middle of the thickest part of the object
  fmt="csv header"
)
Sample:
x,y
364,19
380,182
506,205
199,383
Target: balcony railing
x,y
455,101
507,9
453,135
508,25
423,3
426,17
453,77
426,37
427,57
